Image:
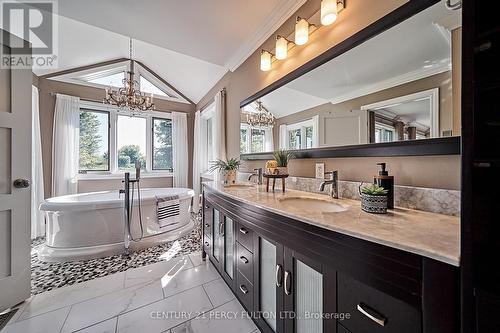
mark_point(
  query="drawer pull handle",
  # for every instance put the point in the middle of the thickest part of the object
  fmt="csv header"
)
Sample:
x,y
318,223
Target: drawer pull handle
x,y
372,314
244,260
288,282
243,231
221,228
279,276
243,289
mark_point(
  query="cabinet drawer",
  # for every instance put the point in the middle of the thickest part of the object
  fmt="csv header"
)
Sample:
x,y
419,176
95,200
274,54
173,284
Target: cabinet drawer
x,y
244,262
245,237
373,311
207,245
244,291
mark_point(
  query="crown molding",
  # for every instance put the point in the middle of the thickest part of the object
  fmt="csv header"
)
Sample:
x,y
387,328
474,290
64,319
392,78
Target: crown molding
x,y
279,15
392,82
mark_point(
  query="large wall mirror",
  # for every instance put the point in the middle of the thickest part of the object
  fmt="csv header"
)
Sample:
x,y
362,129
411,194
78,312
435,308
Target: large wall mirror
x,y
400,86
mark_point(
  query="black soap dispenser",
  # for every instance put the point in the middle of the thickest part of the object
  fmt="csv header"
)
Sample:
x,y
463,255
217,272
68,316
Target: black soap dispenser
x,y
387,182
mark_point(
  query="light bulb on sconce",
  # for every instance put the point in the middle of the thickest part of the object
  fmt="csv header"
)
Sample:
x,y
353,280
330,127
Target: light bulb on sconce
x,y
329,11
265,60
301,31
281,47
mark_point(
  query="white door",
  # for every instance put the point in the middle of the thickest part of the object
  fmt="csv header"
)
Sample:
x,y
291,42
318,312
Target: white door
x,y
15,169
341,128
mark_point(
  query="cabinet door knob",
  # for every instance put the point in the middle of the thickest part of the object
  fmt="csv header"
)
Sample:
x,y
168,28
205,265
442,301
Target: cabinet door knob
x,y
207,225
243,289
243,231
279,276
288,282
372,314
244,260
207,244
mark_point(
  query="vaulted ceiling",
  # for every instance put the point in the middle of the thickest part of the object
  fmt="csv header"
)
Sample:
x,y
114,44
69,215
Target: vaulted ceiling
x,y
189,43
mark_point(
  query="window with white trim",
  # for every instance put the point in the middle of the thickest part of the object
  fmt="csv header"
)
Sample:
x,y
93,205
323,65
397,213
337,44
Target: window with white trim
x,y
131,142
255,139
207,132
301,135
111,80
112,141
384,132
94,140
150,88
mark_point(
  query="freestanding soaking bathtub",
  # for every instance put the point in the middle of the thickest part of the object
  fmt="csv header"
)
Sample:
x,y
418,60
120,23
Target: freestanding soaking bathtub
x,y
91,225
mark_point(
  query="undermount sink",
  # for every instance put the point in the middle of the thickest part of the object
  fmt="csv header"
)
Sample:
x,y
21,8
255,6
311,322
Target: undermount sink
x,y
240,185
313,205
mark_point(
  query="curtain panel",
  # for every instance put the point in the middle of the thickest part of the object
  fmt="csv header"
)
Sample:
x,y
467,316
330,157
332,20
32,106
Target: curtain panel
x,y
65,145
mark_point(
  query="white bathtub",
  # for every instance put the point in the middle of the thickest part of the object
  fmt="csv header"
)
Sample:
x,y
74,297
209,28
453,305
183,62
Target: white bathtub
x,y
91,225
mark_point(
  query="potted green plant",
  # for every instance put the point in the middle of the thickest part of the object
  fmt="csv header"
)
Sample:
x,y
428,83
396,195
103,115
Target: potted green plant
x,y
227,169
282,157
373,199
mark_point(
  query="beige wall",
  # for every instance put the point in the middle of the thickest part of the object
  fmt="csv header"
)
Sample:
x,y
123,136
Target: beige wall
x,y
47,104
422,171
248,79
441,81
85,186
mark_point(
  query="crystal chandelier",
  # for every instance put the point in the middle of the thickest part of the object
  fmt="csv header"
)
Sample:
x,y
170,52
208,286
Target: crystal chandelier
x,y
128,96
261,118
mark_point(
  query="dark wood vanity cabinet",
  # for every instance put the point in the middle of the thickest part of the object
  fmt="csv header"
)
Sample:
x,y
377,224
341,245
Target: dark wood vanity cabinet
x,y
296,277
219,241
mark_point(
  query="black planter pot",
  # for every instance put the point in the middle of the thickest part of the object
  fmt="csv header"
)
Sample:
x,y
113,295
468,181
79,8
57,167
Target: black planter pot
x,y
376,204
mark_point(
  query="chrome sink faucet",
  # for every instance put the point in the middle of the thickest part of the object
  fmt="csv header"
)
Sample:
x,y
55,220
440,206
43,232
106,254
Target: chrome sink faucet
x,y
257,172
333,181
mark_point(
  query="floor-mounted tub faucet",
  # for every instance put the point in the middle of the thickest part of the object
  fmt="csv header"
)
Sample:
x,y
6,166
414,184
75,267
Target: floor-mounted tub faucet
x,y
333,181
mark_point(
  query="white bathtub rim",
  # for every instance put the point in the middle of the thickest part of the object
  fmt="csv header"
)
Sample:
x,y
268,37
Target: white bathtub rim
x,y
54,254
57,204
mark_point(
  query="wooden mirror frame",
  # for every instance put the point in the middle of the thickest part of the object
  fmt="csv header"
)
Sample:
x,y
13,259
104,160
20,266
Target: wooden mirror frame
x,y
434,146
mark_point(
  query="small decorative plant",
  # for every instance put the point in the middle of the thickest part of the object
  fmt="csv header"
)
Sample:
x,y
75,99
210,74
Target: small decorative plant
x,y
374,189
373,199
227,168
282,156
228,165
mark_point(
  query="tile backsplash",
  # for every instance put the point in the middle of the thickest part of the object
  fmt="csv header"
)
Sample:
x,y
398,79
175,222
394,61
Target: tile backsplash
x,y
426,199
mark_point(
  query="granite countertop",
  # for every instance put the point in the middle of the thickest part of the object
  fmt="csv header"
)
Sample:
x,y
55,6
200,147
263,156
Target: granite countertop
x,y
431,235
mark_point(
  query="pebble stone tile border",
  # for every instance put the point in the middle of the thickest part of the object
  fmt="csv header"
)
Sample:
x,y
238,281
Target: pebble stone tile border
x,y
47,276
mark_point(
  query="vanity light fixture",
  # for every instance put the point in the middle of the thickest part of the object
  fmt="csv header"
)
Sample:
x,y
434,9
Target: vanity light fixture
x,y
266,59
329,10
282,47
327,13
301,30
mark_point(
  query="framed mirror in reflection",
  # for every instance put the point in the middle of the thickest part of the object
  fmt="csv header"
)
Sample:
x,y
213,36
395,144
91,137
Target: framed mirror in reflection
x,y
402,84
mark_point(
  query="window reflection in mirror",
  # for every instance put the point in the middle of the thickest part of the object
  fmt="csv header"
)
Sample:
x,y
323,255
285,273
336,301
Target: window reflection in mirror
x,y
403,84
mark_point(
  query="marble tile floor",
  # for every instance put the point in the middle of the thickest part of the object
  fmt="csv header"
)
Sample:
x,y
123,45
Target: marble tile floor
x,y
183,294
